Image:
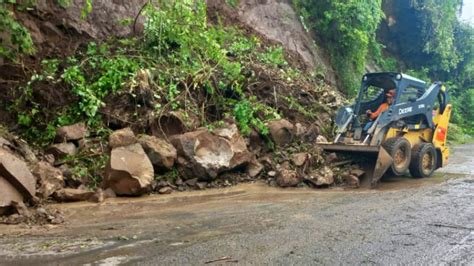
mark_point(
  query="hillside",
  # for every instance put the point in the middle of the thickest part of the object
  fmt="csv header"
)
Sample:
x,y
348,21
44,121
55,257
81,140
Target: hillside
x,y
201,94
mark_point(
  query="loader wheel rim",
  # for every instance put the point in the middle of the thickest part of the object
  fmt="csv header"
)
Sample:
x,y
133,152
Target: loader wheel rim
x,y
400,158
427,162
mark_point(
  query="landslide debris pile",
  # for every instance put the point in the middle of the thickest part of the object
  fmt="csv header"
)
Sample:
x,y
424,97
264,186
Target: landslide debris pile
x,y
186,104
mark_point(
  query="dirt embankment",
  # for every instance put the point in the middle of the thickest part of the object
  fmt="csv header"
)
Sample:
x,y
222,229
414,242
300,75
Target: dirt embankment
x,y
175,145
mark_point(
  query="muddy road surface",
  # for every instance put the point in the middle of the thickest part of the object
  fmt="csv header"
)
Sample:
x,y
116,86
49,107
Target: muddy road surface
x,y
404,221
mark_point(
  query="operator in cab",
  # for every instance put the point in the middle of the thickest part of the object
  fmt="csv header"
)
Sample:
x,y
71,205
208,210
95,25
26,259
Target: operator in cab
x,y
384,106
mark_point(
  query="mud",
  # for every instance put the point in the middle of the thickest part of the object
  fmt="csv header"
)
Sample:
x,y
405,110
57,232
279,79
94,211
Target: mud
x,y
403,221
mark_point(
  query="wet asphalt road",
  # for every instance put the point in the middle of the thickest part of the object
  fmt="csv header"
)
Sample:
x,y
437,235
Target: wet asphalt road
x,y
405,221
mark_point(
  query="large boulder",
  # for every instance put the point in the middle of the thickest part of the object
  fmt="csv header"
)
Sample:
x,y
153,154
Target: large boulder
x,y
204,155
72,132
160,152
16,172
129,171
122,137
281,131
237,143
50,179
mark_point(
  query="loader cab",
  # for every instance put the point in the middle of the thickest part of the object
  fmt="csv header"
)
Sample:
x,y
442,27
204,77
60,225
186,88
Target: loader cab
x,y
374,86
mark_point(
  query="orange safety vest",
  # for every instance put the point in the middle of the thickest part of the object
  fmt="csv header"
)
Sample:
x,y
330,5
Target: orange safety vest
x,y
382,107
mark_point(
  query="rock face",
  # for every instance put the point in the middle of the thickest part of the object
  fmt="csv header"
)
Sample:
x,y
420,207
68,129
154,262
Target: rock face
x,y
204,154
278,21
281,131
16,172
72,132
129,171
50,179
161,153
122,137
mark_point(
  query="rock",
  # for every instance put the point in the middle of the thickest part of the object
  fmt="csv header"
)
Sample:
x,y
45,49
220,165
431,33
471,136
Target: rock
x,y
129,171
73,194
281,131
174,123
8,195
49,158
322,178
161,153
17,146
165,190
287,178
61,150
352,181
300,130
192,182
321,138
122,137
311,133
202,185
357,172
50,179
238,145
98,196
16,172
326,177
21,208
72,132
256,142
254,168
179,181
272,173
5,144
299,159
109,193
204,154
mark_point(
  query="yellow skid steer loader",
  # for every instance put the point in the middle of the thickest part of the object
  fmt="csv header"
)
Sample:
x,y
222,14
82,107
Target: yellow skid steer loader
x,y
408,135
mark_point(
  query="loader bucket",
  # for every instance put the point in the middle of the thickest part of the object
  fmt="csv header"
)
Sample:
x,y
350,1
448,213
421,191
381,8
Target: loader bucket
x,y
374,160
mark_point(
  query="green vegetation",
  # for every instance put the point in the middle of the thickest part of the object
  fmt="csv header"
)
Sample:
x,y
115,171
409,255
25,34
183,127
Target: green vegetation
x,y
347,29
183,56
432,44
17,39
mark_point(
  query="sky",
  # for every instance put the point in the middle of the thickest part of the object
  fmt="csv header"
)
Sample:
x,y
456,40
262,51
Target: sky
x,y
468,11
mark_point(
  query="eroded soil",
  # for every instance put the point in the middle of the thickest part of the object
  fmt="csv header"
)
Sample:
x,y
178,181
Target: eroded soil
x,y
424,221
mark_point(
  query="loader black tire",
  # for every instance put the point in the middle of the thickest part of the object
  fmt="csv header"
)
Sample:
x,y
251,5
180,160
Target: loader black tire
x,y
400,150
423,161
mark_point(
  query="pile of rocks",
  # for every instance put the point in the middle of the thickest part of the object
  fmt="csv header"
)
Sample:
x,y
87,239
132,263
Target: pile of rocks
x,y
196,159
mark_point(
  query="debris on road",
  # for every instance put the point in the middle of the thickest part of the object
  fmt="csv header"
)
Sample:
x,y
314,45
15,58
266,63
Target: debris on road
x,y
129,171
161,153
